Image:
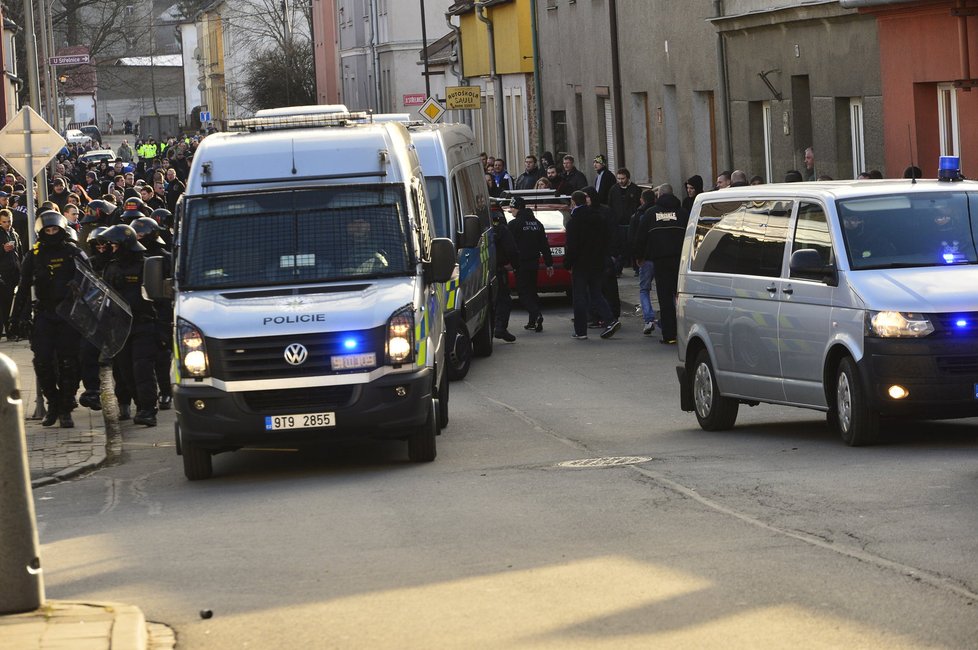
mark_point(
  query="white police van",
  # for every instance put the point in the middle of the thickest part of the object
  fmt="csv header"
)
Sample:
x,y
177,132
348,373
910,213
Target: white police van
x,y
308,290
856,298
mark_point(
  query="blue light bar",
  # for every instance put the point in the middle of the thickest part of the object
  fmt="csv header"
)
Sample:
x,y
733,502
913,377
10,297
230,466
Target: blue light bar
x,y
949,168
350,343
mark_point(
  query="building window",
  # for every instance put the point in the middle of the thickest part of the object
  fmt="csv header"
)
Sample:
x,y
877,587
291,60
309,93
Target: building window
x,y
858,136
558,121
947,115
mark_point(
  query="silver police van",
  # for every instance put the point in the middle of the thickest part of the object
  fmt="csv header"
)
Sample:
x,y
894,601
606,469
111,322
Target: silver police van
x,y
859,299
308,290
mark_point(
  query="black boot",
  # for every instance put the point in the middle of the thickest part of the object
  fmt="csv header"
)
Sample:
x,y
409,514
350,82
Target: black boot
x,y
539,324
124,413
91,399
50,419
147,418
166,402
66,421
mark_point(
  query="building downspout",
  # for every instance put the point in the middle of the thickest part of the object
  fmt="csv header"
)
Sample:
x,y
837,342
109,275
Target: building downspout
x,y
374,55
457,68
724,90
963,46
537,83
497,83
616,86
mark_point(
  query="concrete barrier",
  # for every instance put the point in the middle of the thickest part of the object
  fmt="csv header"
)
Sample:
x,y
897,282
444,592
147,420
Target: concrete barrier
x,y
21,583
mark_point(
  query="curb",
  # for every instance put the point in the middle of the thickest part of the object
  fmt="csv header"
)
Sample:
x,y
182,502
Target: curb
x,y
95,461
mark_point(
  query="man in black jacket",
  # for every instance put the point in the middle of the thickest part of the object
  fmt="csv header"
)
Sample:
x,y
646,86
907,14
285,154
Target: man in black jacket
x,y
506,253
585,256
623,199
531,240
660,239
531,173
10,254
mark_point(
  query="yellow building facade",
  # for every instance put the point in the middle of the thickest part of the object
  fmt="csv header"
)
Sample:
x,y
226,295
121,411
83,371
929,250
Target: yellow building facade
x,y
211,43
513,35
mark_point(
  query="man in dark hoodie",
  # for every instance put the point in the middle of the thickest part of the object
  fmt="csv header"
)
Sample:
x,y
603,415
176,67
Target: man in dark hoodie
x,y
585,256
694,186
660,239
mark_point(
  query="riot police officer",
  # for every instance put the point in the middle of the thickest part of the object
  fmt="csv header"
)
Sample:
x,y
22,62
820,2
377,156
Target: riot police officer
x,y
48,269
148,231
136,361
99,252
531,240
164,218
506,253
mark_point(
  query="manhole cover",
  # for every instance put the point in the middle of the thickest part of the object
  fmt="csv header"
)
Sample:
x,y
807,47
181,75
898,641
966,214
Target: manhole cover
x,y
608,461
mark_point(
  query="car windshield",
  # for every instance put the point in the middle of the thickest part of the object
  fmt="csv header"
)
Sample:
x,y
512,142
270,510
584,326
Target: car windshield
x,y
910,230
294,236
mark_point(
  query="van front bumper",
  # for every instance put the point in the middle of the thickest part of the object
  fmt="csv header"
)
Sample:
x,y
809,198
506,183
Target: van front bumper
x,y
388,407
940,376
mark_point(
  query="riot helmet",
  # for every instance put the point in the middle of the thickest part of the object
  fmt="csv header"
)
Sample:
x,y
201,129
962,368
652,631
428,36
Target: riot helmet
x,y
51,219
98,210
128,216
124,237
163,217
146,228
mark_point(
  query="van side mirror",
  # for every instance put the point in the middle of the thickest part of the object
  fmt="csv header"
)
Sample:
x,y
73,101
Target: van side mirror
x,y
806,263
442,264
155,285
471,232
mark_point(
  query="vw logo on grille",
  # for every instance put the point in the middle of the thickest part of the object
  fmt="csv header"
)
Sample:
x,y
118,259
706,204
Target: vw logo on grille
x,y
296,354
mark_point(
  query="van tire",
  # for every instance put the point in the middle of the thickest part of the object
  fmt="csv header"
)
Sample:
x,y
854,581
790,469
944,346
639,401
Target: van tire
x,y
855,421
197,462
459,356
482,342
443,395
421,443
713,411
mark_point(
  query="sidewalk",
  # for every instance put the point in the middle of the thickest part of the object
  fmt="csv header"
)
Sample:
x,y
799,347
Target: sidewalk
x,y
54,455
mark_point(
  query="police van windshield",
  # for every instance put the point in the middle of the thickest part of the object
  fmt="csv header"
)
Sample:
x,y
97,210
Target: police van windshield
x,y
295,236
910,230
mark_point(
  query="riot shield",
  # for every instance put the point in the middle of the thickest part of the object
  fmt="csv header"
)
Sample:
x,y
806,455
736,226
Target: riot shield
x,y
97,311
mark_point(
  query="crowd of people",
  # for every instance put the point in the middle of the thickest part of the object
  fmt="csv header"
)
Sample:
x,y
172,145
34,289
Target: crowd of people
x,y
614,224
103,216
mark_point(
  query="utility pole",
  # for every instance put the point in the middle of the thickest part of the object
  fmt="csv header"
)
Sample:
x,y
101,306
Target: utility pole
x,y
497,81
424,44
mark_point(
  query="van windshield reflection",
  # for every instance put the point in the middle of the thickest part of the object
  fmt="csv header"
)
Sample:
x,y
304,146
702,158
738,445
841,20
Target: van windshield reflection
x,y
294,237
909,230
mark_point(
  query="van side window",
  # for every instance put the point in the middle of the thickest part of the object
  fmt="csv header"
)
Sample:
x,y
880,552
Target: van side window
x,y
743,237
812,231
476,180
424,220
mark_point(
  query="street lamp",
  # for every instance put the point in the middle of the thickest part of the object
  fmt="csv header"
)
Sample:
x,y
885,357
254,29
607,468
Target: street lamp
x,y
62,80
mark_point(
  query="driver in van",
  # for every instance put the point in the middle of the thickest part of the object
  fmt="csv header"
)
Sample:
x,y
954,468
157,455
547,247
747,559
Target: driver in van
x,y
863,245
361,254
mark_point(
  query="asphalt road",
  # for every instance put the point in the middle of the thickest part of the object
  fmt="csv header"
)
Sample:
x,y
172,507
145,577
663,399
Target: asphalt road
x,y
771,535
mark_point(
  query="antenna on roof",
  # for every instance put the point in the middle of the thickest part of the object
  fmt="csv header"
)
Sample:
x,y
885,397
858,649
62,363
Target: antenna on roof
x,y
913,168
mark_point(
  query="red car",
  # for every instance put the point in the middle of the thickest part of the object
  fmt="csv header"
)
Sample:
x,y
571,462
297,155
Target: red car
x,y
553,214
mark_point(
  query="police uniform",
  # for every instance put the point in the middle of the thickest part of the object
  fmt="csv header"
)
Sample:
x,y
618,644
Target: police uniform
x,y
150,236
137,360
531,242
48,269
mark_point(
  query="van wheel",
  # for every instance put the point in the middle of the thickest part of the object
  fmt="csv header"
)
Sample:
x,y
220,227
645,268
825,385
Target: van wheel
x,y
482,343
197,462
713,411
421,442
443,395
460,355
856,422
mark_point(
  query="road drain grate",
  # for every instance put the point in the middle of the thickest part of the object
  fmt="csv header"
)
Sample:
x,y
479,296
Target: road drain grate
x,y
607,461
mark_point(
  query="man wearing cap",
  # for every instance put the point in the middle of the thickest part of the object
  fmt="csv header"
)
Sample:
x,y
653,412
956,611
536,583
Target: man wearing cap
x,y
603,178
531,242
59,193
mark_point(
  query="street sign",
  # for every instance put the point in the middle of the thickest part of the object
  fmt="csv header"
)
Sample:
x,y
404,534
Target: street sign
x,y
29,150
205,117
463,97
69,59
431,110
413,99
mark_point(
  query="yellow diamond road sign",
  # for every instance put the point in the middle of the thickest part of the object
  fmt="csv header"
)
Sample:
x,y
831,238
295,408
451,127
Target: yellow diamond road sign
x,y
431,110
28,150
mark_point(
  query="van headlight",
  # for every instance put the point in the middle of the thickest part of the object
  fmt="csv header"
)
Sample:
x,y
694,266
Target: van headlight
x,y
400,337
895,324
193,353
